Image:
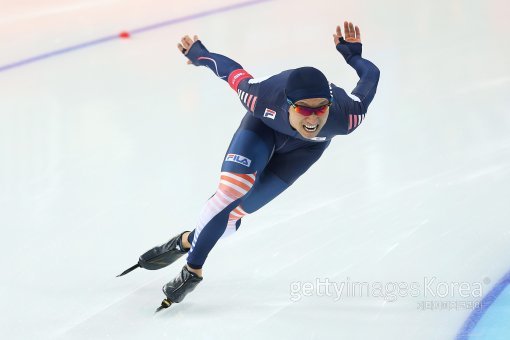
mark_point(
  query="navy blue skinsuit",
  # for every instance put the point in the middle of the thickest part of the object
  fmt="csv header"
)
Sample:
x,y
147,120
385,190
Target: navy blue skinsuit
x,y
265,143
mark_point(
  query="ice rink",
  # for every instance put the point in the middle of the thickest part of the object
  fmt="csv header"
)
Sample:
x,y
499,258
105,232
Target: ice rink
x,y
110,146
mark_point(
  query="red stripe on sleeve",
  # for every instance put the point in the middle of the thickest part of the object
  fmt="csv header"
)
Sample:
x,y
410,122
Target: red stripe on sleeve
x,y
235,78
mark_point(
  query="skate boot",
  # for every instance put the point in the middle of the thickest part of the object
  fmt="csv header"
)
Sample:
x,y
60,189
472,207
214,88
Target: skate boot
x,y
177,289
160,256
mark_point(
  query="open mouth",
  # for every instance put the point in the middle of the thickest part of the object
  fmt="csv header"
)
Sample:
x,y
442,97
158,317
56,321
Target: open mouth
x,y
310,128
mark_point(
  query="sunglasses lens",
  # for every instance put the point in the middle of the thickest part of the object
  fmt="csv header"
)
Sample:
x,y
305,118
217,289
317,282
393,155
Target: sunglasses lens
x,y
308,111
304,111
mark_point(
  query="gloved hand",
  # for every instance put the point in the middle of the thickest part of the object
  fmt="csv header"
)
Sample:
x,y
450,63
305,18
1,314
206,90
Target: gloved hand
x,y
351,45
192,49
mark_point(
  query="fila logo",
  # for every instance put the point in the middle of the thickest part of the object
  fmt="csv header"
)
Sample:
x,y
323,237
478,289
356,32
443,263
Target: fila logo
x,y
269,114
232,157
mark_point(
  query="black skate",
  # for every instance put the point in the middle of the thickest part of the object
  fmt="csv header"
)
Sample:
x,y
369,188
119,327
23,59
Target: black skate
x,y
177,289
160,256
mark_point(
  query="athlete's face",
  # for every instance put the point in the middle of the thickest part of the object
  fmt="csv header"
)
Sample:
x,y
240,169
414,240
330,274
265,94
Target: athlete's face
x,y
308,126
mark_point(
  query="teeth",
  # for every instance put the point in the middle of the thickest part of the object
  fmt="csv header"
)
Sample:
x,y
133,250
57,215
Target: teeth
x,y
310,128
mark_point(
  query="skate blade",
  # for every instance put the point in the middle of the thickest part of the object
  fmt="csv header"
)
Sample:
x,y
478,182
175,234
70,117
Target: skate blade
x,y
164,305
130,269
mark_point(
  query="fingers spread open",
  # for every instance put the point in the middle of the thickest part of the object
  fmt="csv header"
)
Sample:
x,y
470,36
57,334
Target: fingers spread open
x,y
338,31
358,35
186,41
189,41
183,42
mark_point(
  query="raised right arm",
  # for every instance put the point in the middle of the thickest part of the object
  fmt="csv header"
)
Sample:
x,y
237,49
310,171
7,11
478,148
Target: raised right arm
x,y
224,68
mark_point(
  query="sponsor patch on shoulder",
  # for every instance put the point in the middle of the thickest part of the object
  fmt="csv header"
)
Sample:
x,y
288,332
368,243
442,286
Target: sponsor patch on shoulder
x,y
232,157
269,113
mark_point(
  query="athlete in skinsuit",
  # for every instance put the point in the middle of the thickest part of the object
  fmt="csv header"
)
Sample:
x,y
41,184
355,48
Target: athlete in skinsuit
x,y
290,120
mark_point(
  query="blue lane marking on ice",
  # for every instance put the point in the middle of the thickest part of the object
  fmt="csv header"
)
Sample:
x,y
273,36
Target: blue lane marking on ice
x,y
466,332
495,324
170,22
57,52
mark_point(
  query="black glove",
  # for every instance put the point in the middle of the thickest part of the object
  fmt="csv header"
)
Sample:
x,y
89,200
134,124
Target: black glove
x,y
348,49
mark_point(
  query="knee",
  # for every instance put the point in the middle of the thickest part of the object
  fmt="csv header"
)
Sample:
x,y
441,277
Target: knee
x,y
235,185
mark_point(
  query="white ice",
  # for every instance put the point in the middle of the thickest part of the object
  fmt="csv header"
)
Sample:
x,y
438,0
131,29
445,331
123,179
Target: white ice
x,y
110,150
